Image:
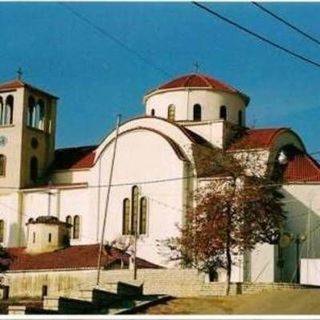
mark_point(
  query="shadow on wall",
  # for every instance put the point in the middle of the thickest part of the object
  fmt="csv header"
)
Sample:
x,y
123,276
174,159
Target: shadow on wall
x,y
304,224
14,235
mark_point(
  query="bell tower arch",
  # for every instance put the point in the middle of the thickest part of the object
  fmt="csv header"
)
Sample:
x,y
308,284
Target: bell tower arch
x,y
27,134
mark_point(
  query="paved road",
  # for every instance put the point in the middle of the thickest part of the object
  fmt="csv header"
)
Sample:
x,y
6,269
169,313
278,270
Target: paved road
x,y
305,301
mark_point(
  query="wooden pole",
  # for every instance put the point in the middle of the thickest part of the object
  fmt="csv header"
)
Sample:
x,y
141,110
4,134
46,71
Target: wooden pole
x,y
107,200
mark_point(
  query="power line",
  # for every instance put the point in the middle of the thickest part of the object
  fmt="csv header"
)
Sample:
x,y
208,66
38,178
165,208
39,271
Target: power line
x,y
256,35
113,38
290,25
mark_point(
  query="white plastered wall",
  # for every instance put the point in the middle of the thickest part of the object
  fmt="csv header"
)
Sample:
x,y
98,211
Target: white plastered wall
x,y
185,99
138,160
302,206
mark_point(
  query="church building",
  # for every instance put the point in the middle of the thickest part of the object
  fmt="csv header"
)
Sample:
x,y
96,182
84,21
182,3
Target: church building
x,y
155,169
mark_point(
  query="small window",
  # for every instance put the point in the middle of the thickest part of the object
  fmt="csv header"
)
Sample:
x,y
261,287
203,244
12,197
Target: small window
x,y
39,115
223,112
1,231
2,112
44,291
153,112
76,227
240,118
143,216
34,237
9,110
126,216
5,292
171,112
31,112
69,221
197,112
34,169
2,165
49,237
213,276
134,209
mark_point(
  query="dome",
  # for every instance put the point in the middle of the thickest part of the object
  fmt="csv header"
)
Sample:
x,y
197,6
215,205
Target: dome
x,y
196,81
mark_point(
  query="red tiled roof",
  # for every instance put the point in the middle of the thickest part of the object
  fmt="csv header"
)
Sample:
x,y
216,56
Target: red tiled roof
x,y
74,158
302,168
256,139
74,257
196,80
16,84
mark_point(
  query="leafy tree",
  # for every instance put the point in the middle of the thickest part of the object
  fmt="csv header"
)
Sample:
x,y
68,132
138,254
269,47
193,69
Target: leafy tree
x,y
236,207
5,259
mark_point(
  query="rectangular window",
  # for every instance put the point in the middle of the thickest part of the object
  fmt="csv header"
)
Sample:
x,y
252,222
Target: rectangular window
x,y
44,291
49,238
34,237
1,231
5,292
2,165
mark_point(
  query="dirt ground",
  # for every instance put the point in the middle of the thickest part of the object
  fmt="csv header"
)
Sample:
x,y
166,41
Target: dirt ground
x,y
305,301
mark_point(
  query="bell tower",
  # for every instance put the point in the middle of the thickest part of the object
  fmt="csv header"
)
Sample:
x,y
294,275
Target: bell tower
x,y
27,134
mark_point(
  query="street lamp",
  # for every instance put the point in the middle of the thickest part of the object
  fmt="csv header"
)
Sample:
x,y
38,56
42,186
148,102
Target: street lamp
x,y
300,238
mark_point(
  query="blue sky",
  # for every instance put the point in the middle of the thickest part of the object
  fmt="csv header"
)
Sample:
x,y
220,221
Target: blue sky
x,y
96,78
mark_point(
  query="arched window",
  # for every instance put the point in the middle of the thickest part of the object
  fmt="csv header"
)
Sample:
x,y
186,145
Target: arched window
x,y
240,118
143,216
1,230
2,112
76,227
69,221
2,165
33,169
126,216
171,112
134,208
9,110
223,112
39,115
31,112
197,112
153,112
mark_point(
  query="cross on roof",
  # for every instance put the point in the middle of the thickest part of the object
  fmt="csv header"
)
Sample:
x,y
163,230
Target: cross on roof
x,y
196,66
20,73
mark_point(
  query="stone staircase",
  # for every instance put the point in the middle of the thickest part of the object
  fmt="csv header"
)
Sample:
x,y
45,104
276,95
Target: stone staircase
x,y
109,298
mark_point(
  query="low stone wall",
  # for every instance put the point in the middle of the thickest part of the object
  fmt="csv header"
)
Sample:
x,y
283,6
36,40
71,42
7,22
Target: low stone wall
x,y
174,282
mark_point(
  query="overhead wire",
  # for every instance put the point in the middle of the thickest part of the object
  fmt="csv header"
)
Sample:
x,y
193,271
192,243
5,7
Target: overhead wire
x,y
286,22
256,35
113,38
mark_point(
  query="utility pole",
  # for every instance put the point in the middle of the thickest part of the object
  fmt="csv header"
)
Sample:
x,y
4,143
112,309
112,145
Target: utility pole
x,y
107,199
49,197
135,239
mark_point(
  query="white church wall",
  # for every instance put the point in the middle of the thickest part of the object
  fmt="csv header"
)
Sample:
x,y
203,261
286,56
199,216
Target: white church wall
x,y
184,100
302,207
162,126
212,131
310,271
10,213
263,263
70,176
61,204
142,157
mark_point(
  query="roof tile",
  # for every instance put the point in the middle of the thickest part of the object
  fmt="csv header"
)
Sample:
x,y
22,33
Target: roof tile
x,y
74,257
302,168
74,158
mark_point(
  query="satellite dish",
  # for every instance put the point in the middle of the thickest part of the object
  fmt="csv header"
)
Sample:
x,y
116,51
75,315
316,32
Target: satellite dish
x,y
285,240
